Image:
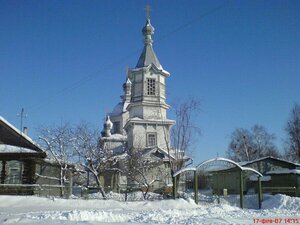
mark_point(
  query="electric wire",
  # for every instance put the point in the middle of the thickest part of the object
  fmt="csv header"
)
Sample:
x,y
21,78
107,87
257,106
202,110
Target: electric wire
x,y
92,76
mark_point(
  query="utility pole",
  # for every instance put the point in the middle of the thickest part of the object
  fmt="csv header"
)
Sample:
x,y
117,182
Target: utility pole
x,y
22,116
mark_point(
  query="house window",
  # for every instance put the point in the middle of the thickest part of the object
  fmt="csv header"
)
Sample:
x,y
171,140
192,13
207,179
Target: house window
x,y
14,172
151,139
150,86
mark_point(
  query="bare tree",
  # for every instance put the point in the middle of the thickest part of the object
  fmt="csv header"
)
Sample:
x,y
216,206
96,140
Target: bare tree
x,y
292,129
183,133
249,145
143,167
138,171
145,172
263,142
58,142
90,155
240,147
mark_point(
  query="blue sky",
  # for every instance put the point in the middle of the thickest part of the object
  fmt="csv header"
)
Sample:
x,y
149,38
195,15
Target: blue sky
x,y
65,61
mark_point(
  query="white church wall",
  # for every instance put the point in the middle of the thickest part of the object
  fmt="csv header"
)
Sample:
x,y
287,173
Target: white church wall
x,y
138,135
154,112
136,111
114,146
125,117
163,137
137,86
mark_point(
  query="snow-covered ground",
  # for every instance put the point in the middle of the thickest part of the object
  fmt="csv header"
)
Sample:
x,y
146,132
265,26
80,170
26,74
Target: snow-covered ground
x,y
45,211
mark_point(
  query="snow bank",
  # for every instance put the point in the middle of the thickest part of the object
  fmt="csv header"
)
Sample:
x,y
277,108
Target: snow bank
x,y
133,196
51,211
280,201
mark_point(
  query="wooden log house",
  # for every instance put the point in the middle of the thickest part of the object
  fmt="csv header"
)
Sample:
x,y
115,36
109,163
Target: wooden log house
x,y
24,169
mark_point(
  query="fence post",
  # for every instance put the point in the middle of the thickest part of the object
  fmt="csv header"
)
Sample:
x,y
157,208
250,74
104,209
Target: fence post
x,y
69,185
259,192
196,186
241,189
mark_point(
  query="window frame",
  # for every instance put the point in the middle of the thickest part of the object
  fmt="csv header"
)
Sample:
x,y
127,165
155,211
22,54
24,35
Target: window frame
x,y
116,127
150,142
151,86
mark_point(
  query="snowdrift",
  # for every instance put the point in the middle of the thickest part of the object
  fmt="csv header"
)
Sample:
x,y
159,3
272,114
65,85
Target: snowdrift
x,y
34,210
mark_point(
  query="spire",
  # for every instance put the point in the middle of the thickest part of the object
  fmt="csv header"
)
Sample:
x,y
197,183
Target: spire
x,y
148,55
148,30
107,127
127,90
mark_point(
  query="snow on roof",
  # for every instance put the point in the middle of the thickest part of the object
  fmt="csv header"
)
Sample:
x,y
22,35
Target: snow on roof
x,y
165,152
285,171
116,137
254,177
243,163
149,150
137,119
119,109
120,157
215,165
147,68
219,164
53,161
21,133
16,130
148,57
184,170
14,149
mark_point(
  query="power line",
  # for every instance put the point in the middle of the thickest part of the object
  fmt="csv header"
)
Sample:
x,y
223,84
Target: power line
x,y
183,26
90,77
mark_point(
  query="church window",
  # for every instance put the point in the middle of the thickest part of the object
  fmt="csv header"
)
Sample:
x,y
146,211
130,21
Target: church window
x,y
150,86
151,139
116,127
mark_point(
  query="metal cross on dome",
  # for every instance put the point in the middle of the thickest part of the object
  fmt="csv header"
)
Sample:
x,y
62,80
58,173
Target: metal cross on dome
x,y
148,10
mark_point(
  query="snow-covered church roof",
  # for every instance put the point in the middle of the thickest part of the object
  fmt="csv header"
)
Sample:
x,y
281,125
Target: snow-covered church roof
x,y
119,109
116,137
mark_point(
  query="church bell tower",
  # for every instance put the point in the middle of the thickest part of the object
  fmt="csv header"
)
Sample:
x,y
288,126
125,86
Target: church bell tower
x,y
148,125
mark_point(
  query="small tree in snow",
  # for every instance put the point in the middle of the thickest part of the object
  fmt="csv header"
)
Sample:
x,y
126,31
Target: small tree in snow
x,y
58,141
142,171
91,156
